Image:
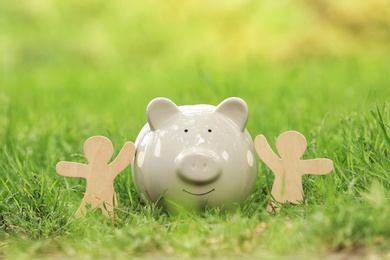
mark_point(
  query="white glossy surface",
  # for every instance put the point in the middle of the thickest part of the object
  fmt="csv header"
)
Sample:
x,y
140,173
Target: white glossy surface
x,y
195,156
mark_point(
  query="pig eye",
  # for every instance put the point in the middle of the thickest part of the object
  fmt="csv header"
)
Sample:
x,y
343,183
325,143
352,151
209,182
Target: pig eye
x,y
209,130
186,130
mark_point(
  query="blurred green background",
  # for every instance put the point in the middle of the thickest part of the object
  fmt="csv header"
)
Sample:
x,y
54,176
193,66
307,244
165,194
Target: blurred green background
x,y
93,59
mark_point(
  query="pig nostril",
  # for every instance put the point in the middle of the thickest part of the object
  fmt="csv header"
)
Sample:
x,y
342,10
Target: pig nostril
x,y
199,168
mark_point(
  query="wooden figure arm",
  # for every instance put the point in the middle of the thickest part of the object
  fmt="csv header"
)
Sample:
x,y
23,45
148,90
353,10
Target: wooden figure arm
x,y
123,159
266,153
316,166
71,169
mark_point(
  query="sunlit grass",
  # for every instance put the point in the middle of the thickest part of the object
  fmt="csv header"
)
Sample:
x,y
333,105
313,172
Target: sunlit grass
x,y
73,70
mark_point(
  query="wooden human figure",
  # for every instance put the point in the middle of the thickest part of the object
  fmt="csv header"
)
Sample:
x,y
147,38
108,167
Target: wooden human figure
x,y
289,168
99,174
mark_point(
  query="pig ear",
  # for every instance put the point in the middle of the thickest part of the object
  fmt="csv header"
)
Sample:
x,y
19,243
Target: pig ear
x,y
236,109
159,110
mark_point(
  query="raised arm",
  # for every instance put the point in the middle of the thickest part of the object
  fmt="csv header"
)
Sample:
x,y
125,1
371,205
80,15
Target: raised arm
x,y
316,166
266,153
123,159
71,169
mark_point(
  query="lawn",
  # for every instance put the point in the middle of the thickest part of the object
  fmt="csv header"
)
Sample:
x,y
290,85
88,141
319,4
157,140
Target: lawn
x,y
71,70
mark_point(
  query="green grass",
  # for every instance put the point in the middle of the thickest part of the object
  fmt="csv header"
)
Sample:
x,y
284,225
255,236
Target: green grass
x,y
71,71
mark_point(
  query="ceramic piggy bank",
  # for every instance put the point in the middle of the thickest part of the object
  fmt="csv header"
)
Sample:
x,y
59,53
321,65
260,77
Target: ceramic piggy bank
x,y
195,156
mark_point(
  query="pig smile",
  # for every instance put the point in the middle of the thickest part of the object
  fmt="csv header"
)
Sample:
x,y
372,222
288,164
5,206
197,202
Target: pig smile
x,y
198,194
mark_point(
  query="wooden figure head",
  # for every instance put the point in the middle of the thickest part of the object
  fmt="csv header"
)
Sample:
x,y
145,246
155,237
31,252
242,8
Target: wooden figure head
x,y
98,149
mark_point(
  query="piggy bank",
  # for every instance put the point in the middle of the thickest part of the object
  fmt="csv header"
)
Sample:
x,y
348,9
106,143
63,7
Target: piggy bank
x,y
194,157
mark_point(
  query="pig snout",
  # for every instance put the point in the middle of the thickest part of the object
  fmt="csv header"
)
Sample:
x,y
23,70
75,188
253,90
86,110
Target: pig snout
x,y
198,167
